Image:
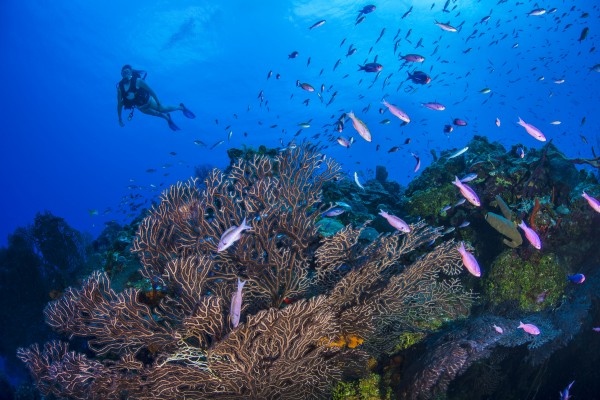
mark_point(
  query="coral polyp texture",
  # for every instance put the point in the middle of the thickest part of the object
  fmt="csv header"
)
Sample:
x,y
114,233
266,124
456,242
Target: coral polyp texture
x,y
314,308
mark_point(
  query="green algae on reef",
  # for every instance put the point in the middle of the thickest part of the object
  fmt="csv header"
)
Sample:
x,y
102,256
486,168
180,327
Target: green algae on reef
x,y
533,284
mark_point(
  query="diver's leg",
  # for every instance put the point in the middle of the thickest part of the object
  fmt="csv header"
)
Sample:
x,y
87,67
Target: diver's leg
x,y
150,111
151,108
160,108
167,109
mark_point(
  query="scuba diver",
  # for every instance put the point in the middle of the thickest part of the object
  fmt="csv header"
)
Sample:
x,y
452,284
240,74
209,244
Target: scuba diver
x,y
133,92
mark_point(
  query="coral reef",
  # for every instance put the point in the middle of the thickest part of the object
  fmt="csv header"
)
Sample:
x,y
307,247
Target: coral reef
x,y
314,310
533,284
327,299
368,388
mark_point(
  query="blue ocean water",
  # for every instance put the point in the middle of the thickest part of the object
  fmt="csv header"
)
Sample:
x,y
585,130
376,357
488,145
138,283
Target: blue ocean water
x,y
63,149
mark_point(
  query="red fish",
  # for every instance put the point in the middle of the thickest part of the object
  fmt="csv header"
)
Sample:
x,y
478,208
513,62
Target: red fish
x,y
370,67
308,87
413,58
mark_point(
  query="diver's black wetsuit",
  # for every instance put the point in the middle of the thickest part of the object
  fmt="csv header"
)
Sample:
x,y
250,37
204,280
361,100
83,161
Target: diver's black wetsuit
x,y
141,96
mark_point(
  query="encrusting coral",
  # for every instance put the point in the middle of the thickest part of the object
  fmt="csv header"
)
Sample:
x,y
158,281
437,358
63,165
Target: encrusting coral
x,y
314,308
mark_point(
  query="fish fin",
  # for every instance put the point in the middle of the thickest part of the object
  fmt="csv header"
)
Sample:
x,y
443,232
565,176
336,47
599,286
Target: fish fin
x,y
244,225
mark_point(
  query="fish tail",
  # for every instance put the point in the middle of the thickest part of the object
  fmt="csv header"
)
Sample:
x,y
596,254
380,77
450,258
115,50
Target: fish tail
x,y
244,225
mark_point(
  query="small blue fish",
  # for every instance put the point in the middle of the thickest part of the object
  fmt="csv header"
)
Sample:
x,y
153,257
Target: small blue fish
x,y
342,204
460,202
333,212
449,230
564,395
469,178
464,224
577,278
443,210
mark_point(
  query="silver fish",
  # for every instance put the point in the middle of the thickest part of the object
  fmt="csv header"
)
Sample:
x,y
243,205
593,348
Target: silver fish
x,y
236,304
231,235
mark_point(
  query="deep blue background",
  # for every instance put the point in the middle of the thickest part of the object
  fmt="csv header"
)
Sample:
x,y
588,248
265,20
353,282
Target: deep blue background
x,y
63,150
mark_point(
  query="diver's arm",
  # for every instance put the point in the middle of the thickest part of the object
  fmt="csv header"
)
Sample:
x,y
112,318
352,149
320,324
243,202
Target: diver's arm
x,y
143,85
119,107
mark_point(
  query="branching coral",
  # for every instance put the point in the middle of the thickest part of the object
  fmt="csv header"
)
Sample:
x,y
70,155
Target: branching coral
x,y
278,198
348,297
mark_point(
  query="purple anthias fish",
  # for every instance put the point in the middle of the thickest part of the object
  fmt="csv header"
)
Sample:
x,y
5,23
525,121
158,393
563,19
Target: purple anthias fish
x,y
529,328
418,160
344,142
236,304
577,278
593,202
469,261
520,152
564,395
434,106
370,67
531,236
333,212
498,329
395,221
396,111
467,192
232,235
532,130
459,122
413,58
419,77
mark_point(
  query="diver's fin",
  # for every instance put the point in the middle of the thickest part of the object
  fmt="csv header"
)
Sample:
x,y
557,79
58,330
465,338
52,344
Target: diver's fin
x,y
187,112
172,124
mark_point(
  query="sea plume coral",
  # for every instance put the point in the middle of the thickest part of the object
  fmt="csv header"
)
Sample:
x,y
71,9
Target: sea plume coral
x,y
314,308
